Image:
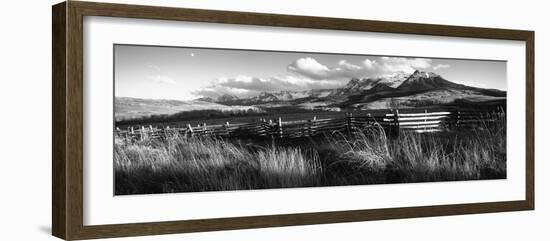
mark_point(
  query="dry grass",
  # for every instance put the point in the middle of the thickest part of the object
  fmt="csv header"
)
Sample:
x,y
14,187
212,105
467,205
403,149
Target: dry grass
x,y
369,157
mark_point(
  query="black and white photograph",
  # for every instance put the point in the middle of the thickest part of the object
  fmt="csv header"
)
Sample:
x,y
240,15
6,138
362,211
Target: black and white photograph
x,y
190,119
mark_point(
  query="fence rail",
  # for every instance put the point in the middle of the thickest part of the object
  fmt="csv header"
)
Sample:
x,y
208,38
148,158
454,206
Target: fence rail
x,y
393,123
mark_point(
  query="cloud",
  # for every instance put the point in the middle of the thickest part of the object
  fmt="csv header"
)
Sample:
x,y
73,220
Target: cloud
x,y
218,90
162,79
390,65
441,66
275,83
311,68
307,73
246,86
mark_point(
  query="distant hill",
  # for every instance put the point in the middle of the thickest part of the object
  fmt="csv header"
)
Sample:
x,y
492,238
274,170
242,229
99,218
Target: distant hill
x,y
131,108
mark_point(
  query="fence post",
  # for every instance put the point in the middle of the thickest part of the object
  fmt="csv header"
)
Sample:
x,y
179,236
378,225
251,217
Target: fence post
x,y
312,126
280,126
425,118
190,129
270,128
308,128
348,122
457,120
142,133
226,126
266,127
396,127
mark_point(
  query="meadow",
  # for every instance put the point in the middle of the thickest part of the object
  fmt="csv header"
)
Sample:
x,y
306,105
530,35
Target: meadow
x,y
185,164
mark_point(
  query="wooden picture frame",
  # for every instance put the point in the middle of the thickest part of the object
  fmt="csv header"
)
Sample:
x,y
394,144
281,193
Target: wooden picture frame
x,y
67,123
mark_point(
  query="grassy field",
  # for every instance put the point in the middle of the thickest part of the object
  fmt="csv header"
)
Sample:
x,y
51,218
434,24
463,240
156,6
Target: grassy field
x,y
368,157
289,114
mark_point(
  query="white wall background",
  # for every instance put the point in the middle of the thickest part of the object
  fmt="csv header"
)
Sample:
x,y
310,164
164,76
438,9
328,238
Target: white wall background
x,y
25,136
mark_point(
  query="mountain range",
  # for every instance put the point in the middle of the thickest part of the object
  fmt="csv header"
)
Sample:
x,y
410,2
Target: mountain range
x,y
400,90
405,90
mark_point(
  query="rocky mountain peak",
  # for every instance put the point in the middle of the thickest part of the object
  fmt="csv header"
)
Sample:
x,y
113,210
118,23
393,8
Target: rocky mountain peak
x,y
393,81
422,74
227,98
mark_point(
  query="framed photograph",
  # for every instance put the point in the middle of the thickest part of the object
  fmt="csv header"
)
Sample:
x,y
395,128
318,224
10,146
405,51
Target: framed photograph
x,y
171,120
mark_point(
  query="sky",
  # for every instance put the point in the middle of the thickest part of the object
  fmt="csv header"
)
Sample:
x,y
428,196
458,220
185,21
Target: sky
x,y
180,73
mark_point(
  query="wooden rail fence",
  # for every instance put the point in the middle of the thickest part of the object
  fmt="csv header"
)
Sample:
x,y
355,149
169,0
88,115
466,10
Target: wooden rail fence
x,y
393,123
